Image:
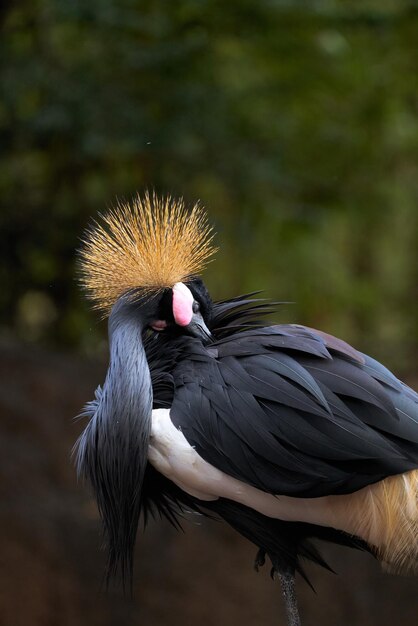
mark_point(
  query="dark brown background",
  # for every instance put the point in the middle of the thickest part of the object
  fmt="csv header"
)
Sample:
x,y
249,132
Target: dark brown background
x,y
51,564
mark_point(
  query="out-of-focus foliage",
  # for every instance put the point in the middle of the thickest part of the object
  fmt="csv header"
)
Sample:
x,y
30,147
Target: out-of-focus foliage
x,y
295,123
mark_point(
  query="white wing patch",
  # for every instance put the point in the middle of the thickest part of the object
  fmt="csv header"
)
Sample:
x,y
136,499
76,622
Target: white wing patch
x,y
172,455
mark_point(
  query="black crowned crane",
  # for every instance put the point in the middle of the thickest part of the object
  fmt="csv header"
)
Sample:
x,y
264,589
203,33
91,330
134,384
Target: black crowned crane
x,y
286,433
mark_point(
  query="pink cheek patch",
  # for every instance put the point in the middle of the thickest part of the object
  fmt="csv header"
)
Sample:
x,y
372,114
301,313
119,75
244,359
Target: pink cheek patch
x,y
182,304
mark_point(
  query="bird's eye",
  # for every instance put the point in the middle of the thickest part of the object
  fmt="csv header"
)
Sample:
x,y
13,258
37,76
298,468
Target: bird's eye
x,y
158,325
196,307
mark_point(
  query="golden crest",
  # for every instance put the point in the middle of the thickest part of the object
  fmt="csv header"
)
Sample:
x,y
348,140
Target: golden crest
x,y
147,245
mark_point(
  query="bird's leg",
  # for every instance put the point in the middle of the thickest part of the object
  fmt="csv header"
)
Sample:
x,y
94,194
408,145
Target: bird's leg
x,y
287,580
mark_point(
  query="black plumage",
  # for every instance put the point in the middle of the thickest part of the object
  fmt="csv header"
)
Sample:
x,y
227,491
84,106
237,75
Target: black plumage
x,y
267,403
285,432
287,409
284,408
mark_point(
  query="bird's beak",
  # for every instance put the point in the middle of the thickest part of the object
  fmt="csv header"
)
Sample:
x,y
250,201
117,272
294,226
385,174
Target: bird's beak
x,y
197,328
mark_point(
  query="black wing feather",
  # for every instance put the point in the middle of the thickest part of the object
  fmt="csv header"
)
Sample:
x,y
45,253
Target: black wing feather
x,y
291,410
265,442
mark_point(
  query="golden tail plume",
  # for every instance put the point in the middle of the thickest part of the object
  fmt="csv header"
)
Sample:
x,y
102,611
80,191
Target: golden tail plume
x,y
399,551
148,244
386,516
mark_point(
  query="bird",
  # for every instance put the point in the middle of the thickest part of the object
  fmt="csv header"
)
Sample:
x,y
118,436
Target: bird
x,y
286,433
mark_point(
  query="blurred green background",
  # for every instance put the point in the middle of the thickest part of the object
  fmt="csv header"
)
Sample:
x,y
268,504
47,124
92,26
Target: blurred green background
x,y
296,125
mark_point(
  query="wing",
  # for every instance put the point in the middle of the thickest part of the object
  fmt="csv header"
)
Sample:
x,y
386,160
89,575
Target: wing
x,y
294,411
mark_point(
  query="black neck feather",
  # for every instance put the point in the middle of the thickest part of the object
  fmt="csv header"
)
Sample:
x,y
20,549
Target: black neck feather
x,y
112,451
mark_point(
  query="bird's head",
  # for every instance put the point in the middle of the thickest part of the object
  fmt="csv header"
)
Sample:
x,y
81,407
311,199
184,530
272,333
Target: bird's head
x,y
143,259
140,267
184,309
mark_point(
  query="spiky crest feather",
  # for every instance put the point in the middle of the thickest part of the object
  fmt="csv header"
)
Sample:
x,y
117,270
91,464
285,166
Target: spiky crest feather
x,y
147,245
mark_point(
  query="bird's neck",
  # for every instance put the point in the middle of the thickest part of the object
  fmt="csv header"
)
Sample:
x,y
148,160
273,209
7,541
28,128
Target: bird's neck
x,y
124,414
128,368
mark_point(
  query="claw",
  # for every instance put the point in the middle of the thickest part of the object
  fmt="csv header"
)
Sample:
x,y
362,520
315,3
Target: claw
x,y
260,559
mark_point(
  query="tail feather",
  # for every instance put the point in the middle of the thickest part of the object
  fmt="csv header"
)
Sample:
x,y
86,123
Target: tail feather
x,y
386,515
399,551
